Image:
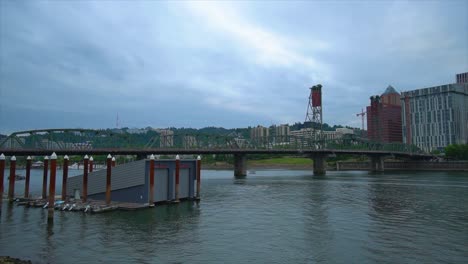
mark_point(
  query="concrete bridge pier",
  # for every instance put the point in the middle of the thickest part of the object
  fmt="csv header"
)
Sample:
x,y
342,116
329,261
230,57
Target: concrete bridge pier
x,y
240,165
320,165
377,163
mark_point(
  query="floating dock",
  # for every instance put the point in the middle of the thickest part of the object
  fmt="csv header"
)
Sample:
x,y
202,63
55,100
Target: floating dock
x,y
131,186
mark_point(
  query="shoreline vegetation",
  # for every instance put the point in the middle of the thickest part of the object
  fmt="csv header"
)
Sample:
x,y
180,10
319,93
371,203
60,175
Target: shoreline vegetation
x,y
358,163
10,260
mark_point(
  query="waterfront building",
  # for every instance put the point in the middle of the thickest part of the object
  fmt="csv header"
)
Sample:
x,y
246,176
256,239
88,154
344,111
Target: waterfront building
x,y
131,182
462,78
190,141
259,132
435,117
344,130
305,133
281,133
384,117
166,138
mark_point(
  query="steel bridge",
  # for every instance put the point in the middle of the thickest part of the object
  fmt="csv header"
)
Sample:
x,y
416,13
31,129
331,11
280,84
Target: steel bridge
x,y
69,141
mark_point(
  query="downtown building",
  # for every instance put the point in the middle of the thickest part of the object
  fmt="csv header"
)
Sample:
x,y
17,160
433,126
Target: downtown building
x,y
259,132
281,133
259,136
435,117
384,117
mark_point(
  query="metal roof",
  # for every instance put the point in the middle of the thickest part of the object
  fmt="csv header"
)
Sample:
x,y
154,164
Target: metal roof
x,y
390,90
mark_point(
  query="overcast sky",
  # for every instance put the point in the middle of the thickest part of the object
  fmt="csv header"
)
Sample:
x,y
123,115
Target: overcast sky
x,y
232,64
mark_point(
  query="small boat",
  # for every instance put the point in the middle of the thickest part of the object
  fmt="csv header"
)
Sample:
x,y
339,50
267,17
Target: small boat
x,y
74,166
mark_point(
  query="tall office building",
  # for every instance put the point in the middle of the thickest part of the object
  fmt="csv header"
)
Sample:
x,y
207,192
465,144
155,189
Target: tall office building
x,y
281,133
435,117
384,117
259,132
462,77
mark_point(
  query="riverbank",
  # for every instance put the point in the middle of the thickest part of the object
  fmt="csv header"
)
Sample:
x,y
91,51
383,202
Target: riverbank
x,y
10,260
293,163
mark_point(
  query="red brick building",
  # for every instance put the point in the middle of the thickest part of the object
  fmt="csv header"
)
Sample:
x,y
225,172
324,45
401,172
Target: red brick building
x,y
384,117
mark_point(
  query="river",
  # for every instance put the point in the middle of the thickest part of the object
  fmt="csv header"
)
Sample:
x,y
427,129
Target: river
x,y
272,216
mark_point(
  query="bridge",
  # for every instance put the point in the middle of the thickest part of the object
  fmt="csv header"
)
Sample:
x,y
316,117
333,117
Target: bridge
x,y
69,141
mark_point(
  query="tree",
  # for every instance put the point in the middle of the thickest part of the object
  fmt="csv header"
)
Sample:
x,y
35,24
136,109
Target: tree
x,y
458,152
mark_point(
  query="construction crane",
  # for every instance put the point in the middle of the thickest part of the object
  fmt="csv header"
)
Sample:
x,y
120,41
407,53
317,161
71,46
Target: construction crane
x,y
362,114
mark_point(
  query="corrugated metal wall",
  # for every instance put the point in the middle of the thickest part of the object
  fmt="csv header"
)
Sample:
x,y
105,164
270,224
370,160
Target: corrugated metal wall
x,y
161,185
130,182
123,176
164,182
184,183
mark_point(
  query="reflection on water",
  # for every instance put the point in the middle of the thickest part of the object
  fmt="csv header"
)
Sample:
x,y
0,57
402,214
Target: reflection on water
x,y
271,217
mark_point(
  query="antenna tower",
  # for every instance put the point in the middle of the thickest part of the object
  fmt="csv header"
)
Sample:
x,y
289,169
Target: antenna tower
x,y
117,124
314,113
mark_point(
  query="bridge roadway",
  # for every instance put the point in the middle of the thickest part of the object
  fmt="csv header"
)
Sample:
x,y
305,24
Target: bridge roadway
x,y
318,155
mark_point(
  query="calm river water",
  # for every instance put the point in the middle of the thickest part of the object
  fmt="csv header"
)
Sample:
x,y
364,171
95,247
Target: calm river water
x,y
272,216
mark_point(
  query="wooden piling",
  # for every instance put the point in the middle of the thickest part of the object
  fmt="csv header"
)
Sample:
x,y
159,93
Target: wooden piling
x,y
28,176
65,178
108,179
44,177
2,176
151,180
11,187
198,177
177,174
53,170
91,161
85,178
113,161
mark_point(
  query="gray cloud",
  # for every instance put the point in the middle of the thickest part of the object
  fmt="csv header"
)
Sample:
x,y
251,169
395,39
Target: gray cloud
x,y
195,64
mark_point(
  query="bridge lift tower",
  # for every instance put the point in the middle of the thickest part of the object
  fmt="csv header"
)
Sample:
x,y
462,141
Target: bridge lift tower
x,y
314,113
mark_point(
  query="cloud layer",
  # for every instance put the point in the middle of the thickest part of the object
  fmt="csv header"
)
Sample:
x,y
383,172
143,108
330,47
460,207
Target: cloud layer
x,y
231,64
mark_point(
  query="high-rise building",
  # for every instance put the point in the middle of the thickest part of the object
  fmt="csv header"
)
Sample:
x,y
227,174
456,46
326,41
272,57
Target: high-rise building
x,y
259,135
384,117
166,138
259,132
435,117
462,77
281,133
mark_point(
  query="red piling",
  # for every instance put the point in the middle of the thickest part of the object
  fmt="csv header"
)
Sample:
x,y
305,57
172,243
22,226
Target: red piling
x,y
177,174
44,178
91,164
11,188
28,176
53,170
85,178
198,177
108,179
113,161
2,175
65,178
151,180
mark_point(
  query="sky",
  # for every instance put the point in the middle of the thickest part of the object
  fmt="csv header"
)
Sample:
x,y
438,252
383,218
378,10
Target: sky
x,y
80,64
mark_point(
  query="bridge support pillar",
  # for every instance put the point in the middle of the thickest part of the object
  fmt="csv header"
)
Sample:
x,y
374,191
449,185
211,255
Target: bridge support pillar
x,y
320,165
377,163
240,165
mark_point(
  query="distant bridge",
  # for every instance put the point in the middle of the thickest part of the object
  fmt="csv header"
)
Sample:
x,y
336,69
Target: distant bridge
x,y
103,142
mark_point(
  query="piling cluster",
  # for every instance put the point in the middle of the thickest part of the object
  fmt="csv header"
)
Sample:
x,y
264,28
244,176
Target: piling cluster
x,y
48,200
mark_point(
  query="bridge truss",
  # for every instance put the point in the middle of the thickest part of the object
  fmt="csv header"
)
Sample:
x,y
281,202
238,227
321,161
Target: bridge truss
x,y
89,139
